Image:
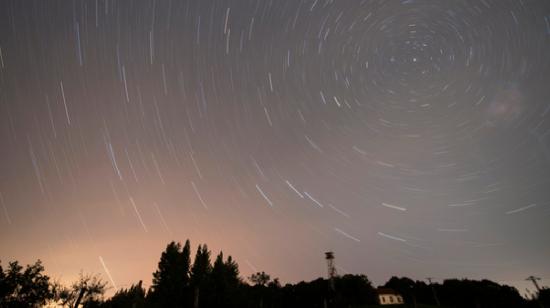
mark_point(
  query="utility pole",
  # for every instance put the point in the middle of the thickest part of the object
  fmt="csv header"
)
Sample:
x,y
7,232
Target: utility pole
x,y
534,280
433,291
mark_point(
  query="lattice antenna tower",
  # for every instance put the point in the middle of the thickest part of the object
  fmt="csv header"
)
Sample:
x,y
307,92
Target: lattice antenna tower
x,y
329,256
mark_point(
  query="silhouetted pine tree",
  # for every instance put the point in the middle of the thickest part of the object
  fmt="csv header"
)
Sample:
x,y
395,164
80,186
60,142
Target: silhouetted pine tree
x,y
217,282
200,272
171,279
223,284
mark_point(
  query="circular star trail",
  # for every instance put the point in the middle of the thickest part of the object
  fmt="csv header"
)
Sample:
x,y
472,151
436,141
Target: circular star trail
x,y
409,137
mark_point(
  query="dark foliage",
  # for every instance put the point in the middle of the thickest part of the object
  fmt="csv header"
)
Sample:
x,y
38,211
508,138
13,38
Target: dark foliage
x,y
355,290
404,286
89,288
171,279
259,278
178,282
544,297
132,297
24,287
458,293
224,283
484,293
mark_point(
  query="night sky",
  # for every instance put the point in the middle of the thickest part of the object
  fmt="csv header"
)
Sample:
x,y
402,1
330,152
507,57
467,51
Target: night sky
x,y
411,138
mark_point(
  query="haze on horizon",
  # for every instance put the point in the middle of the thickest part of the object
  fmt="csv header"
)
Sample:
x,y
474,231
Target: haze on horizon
x,y
411,138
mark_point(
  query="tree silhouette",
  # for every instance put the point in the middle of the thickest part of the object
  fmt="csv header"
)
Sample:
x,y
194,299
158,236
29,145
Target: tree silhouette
x,y
473,293
217,279
354,290
459,293
171,279
24,288
178,284
259,278
259,289
223,283
406,287
186,271
88,290
132,297
544,297
200,272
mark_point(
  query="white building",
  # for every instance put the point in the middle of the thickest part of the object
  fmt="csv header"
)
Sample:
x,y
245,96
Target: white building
x,y
387,296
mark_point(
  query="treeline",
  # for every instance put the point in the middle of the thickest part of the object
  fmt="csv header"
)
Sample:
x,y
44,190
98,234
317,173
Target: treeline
x,y
182,281
464,293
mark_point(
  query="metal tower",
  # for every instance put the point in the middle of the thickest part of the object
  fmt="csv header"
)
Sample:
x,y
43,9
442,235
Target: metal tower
x,y
329,256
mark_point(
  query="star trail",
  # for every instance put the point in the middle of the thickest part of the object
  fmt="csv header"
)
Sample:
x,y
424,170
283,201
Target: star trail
x,y
409,137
